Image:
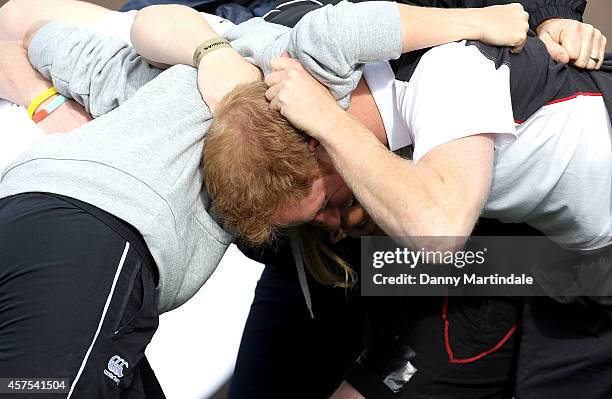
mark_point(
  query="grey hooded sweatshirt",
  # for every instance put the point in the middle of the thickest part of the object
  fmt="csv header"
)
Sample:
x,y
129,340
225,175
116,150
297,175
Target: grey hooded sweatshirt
x,y
139,159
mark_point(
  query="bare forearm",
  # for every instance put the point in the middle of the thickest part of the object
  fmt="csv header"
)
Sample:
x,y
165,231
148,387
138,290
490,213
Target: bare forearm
x,y
66,118
20,83
169,34
427,27
17,15
407,200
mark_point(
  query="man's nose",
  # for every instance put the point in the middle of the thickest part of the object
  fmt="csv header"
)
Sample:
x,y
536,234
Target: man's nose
x,y
329,218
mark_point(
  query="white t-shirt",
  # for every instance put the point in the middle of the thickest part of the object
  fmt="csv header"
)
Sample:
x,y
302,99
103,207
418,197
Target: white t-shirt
x,y
553,171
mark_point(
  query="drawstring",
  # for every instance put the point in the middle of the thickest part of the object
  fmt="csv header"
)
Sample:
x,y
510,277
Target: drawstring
x,y
297,249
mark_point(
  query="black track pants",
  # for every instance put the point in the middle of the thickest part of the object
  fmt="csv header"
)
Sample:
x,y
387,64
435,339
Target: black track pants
x,y
77,299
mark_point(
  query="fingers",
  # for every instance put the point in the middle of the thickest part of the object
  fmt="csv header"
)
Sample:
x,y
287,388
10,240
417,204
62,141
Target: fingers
x,y
556,51
583,44
518,48
282,82
594,50
284,68
570,38
522,29
278,82
272,91
280,85
586,43
276,98
602,51
272,97
275,78
280,63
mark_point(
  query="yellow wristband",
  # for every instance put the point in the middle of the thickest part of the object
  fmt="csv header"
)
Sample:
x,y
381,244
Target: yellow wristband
x,y
208,46
41,98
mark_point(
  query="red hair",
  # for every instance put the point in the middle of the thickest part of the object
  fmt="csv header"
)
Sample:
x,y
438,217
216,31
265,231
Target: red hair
x,y
254,161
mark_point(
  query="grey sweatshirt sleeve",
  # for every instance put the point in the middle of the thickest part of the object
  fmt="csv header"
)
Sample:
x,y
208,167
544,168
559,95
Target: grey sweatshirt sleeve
x,y
332,42
99,72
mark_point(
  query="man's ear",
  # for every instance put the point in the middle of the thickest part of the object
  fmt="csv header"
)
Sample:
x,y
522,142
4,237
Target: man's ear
x,y
313,144
319,151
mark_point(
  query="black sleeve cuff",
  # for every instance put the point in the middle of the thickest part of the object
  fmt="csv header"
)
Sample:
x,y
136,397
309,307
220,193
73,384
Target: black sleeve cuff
x,y
368,382
539,15
383,371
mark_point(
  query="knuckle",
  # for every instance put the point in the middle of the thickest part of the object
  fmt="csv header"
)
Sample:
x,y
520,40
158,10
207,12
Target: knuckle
x,y
520,38
572,49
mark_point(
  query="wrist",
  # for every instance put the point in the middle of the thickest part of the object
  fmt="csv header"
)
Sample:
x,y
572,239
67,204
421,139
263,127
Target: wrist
x,y
19,82
209,46
220,72
332,129
228,60
31,89
217,58
68,117
46,102
544,25
474,23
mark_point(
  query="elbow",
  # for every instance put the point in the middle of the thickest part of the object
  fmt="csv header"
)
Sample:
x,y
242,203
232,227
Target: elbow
x,y
137,25
146,18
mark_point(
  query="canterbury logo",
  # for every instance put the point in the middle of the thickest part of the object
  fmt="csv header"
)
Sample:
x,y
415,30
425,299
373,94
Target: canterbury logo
x,y
116,365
